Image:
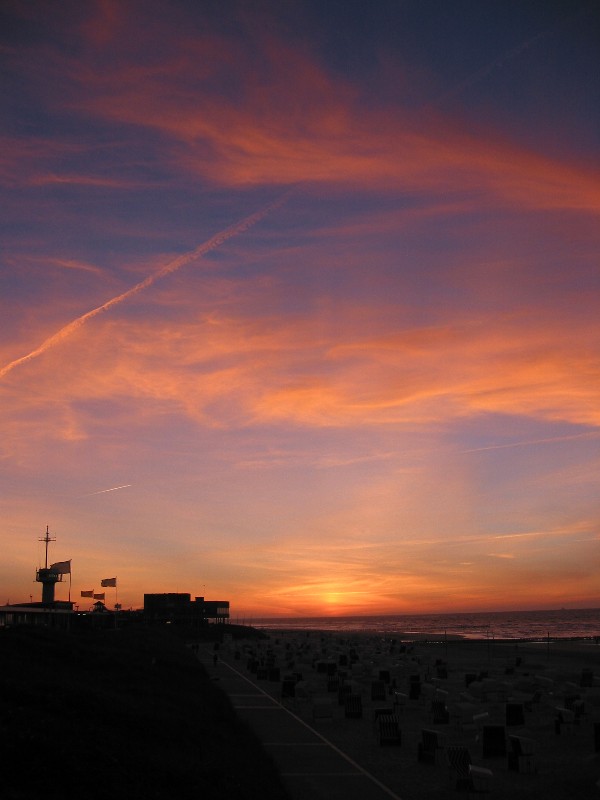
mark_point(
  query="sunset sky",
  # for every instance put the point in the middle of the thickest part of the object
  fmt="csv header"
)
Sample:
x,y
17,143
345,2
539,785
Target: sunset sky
x,y
300,302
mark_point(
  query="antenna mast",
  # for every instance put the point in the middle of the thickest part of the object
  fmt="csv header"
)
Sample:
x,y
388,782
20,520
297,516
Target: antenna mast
x,y
47,539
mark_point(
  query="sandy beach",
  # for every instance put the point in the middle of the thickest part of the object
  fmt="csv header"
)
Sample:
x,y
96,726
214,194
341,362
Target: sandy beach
x,y
527,713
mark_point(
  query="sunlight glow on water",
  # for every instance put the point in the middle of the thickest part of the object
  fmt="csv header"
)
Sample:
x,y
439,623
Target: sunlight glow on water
x,y
563,624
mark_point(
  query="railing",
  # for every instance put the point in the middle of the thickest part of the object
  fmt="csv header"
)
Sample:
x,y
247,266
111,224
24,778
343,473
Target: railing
x,y
47,576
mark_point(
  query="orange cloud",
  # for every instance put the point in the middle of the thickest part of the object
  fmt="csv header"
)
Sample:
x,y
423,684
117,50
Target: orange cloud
x,y
254,109
229,370
237,146
257,110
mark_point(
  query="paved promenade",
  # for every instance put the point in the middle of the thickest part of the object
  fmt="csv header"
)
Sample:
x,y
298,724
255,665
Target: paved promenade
x,y
312,768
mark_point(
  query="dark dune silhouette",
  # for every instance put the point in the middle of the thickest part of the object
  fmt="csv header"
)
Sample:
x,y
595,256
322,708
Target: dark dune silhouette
x,y
121,713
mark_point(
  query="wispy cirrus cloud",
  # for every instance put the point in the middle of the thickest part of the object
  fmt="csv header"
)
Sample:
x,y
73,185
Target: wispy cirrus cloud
x,y
169,268
290,120
334,143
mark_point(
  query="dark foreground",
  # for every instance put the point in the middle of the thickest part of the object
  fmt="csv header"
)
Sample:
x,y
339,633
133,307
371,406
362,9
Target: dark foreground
x,y
126,713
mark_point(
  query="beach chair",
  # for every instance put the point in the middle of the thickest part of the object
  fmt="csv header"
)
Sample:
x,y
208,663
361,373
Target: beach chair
x,y
494,741
481,781
462,715
479,720
357,669
378,690
532,700
575,704
476,690
515,714
381,712
344,690
467,777
388,730
430,749
459,760
521,754
400,701
563,721
353,706
414,687
441,715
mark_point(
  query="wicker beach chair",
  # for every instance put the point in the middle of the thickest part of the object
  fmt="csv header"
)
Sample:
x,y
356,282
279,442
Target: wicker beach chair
x,y
440,713
515,714
388,731
353,706
431,747
467,778
521,754
381,711
400,701
378,690
564,720
459,761
493,741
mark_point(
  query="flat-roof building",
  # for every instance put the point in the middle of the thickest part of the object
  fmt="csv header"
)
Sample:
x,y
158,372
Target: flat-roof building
x,y
179,607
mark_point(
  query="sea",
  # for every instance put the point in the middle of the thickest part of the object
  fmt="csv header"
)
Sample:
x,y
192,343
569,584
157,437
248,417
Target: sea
x,y
580,623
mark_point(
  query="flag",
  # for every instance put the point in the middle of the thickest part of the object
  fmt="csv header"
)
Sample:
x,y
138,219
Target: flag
x,y
108,582
62,567
88,593
99,596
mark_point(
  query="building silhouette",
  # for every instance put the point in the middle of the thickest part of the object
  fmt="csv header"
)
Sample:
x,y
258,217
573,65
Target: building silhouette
x,y
170,607
180,608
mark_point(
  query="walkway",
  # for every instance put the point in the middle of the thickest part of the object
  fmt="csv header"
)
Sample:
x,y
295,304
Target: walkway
x,y
312,768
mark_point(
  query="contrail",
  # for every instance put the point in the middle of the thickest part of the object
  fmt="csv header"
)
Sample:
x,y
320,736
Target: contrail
x,y
215,241
114,489
486,70
530,442
509,55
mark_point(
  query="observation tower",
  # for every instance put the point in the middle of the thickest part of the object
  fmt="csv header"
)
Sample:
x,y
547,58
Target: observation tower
x,y
48,576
